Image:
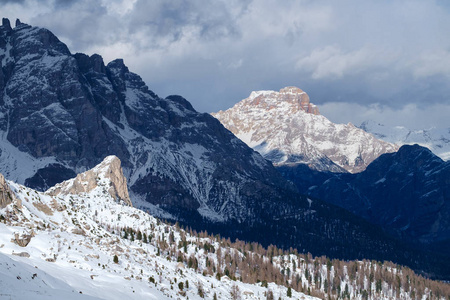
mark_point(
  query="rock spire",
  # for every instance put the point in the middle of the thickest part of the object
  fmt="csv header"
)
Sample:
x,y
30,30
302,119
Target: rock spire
x,y
109,171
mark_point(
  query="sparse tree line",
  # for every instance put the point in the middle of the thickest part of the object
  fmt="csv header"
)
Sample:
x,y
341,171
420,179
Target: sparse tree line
x,y
315,276
252,263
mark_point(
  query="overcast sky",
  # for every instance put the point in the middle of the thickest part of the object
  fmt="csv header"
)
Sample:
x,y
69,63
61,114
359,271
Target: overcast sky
x,y
383,60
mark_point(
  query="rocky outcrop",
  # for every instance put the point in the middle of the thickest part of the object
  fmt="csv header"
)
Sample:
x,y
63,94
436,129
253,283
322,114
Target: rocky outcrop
x,y
109,172
21,254
6,24
295,95
7,196
288,130
292,97
22,239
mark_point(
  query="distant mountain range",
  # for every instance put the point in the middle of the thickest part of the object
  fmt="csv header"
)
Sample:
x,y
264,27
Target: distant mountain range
x,y
288,130
435,139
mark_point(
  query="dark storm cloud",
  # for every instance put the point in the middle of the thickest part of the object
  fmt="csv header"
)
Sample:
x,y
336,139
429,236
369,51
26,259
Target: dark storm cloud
x,y
384,54
164,18
12,1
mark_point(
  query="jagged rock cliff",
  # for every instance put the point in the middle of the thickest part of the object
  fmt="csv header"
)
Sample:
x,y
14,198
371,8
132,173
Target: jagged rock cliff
x,y
287,129
6,195
62,114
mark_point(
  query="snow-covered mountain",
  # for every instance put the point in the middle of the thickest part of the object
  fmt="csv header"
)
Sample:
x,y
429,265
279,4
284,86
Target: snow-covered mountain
x,y
82,239
62,244
435,139
61,114
287,129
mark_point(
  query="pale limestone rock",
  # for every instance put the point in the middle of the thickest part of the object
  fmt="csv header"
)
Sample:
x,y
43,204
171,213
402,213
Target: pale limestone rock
x,y
285,128
6,194
23,239
110,168
79,231
21,254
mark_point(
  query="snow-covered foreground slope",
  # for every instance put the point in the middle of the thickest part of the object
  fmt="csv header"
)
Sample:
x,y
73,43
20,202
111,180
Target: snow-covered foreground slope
x,y
82,239
22,280
435,139
76,229
287,129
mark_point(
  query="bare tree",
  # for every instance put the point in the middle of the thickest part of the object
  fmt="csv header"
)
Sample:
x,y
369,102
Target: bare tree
x,y
235,293
269,295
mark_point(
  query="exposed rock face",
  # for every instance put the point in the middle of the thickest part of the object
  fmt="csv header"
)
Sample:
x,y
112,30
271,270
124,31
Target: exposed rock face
x,y
6,24
22,239
6,195
109,169
293,97
288,130
63,114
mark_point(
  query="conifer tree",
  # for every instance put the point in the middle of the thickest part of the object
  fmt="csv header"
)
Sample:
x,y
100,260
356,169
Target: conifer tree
x,y
144,238
289,292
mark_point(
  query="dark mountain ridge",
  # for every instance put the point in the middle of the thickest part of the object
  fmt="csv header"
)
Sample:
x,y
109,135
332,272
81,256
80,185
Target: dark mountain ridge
x,y
407,193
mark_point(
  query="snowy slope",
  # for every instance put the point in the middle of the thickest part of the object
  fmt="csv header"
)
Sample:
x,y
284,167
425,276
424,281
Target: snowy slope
x,y
287,129
76,228
22,280
435,139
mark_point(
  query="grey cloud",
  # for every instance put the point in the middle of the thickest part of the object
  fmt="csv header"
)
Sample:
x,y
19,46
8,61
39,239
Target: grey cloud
x,y
64,4
411,115
12,1
389,53
199,21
